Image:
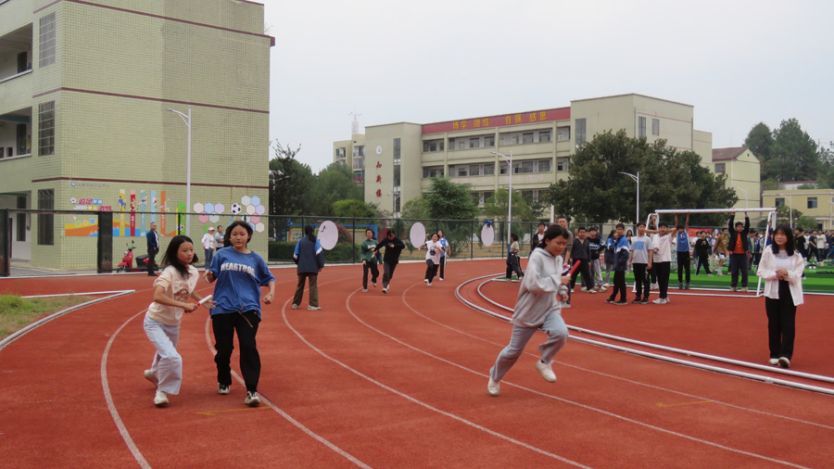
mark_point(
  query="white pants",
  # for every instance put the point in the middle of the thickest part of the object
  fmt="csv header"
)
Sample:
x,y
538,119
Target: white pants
x,y
167,362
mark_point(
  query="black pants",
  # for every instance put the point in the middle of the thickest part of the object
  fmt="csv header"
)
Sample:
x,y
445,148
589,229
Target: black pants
x,y
387,273
152,260
703,261
584,269
641,281
664,269
738,262
442,266
619,286
224,327
781,322
374,273
683,264
431,270
653,273
513,265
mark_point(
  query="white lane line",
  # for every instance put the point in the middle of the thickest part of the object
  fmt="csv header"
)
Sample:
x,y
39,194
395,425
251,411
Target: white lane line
x,y
620,378
285,415
560,399
421,403
111,406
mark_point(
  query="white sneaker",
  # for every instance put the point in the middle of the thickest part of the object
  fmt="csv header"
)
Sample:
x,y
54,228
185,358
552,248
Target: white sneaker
x,y
546,372
654,286
252,399
151,377
426,280
606,284
658,301
565,305
785,362
666,300
441,279
603,289
364,290
294,306
774,361
385,290
583,289
374,284
313,308
493,388
743,289
160,399
428,284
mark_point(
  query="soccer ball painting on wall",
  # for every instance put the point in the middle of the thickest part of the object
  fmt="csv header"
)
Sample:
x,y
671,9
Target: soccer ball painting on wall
x,y
249,208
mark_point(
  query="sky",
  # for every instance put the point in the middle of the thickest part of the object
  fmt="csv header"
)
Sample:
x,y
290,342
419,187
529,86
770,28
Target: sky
x,y
737,62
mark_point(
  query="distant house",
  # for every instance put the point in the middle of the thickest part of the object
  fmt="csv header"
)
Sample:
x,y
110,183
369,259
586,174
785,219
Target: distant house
x,y
743,170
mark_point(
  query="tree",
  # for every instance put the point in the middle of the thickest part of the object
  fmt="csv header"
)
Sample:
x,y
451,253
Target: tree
x,y
289,183
416,209
448,200
760,141
353,209
668,179
496,207
788,154
334,183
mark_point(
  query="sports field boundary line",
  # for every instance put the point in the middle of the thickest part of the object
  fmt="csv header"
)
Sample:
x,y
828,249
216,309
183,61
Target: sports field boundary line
x,y
40,322
740,374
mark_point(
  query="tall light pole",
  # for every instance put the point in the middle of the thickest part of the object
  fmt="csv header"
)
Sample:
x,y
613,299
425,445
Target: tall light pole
x,y
636,179
187,119
510,204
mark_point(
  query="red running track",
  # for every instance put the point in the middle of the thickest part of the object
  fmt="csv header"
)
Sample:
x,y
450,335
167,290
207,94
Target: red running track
x,y
383,381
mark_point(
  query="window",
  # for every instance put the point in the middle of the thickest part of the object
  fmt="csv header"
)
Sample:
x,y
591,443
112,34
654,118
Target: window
x,y
580,131
720,168
478,197
562,164
461,144
563,133
641,126
524,167
655,126
396,150
461,170
489,169
361,151
433,172
397,199
488,195
47,40
46,221
502,168
474,170
527,138
432,145
20,229
22,139
489,141
474,142
46,128
780,202
544,136
340,152
397,173
23,62
544,166
812,202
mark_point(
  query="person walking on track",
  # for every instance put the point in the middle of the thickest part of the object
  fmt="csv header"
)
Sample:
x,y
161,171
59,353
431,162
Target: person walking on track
x,y
309,255
447,252
393,247
369,259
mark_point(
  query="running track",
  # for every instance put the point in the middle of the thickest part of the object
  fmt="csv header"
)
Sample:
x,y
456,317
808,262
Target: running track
x,y
399,381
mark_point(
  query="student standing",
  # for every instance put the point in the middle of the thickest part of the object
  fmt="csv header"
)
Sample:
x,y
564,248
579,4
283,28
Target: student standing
x,y
662,260
447,252
596,247
682,250
393,247
433,252
782,267
219,238
240,274
739,248
621,255
641,262
721,250
208,245
537,307
538,237
609,258
162,321
309,255
153,248
581,253
563,222
701,254
369,260
513,261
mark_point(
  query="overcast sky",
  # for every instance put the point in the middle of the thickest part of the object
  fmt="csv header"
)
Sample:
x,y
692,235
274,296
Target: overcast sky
x,y
737,62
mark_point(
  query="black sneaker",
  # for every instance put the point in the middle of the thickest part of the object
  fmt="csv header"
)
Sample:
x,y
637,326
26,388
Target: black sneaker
x,y
620,303
686,287
609,300
680,286
637,302
222,389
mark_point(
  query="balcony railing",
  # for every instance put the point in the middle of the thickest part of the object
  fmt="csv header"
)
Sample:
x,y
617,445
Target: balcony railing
x,y
359,163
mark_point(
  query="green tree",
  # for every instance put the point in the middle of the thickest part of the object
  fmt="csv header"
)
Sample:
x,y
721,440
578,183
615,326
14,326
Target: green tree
x,y
289,183
496,207
416,209
795,156
668,179
760,141
353,208
334,183
449,200
770,184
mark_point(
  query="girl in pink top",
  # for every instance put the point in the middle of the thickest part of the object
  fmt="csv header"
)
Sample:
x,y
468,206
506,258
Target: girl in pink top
x,y
172,289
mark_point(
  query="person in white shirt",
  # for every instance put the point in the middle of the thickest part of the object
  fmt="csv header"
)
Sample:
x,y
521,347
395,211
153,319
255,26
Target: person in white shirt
x,y
781,268
433,251
208,245
662,259
641,261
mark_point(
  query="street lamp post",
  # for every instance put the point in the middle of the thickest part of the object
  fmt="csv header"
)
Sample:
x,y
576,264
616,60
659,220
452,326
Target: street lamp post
x,y
637,180
187,119
510,201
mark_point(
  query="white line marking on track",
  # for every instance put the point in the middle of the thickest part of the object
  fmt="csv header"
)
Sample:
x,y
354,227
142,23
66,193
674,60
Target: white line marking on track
x,y
566,401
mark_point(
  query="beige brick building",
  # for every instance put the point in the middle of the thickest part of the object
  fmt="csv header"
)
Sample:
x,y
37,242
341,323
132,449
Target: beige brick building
x,y
84,93
743,170
401,158
815,203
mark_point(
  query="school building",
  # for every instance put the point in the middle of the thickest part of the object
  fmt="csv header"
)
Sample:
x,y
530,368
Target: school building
x,y
743,170
88,92
396,161
815,203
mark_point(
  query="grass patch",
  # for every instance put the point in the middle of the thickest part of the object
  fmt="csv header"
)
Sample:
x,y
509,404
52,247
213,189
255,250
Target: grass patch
x,y
17,313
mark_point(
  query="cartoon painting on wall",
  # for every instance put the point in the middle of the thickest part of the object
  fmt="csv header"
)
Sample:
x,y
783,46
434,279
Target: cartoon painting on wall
x,y
249,210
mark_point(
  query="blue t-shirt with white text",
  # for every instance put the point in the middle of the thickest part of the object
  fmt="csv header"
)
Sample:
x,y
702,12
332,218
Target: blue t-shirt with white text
x,y
239,278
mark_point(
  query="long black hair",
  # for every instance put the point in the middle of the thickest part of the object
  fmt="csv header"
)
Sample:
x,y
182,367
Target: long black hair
x,y
373,235
790,244
171,258
227,237
554,231
308,232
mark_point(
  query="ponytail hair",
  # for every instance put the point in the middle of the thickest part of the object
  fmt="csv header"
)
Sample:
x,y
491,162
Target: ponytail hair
x,y
308,231
554,231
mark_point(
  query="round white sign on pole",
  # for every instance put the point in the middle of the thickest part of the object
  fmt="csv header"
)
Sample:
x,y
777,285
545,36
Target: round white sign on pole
x,y
487,235
417,235
328,235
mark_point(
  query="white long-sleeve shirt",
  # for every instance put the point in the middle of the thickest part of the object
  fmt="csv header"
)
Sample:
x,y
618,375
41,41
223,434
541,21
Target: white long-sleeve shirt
x,y
208,241
767,271
537,295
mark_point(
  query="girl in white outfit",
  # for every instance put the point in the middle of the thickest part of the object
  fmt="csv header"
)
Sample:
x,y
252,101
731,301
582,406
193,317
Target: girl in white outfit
x,y
538,306
781,267
172,289
434,249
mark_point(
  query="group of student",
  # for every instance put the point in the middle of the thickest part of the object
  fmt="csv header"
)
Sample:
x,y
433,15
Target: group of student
x,y
437,251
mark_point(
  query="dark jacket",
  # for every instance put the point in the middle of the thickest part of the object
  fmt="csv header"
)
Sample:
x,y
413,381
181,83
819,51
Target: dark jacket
x,y
153,242
734,235
310,256
596,247
581,250
393,248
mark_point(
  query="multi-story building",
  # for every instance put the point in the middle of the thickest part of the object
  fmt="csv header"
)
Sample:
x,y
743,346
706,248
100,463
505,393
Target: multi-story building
x,y
815,203
743,170
85,90
402,157
352,153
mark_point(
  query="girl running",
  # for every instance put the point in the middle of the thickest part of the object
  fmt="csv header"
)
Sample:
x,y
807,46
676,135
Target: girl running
x,y
433,252
172,289
240,274
782,267
369,260
538,306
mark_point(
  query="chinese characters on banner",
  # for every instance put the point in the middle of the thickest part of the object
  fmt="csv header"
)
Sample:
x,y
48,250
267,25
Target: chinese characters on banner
x,y
378,179
548,115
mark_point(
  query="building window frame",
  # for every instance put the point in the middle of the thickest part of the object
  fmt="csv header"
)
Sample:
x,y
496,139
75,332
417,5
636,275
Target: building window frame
x,y
655,127
47,40
46,128
720,168
641,126
46,221
581,126
812,202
